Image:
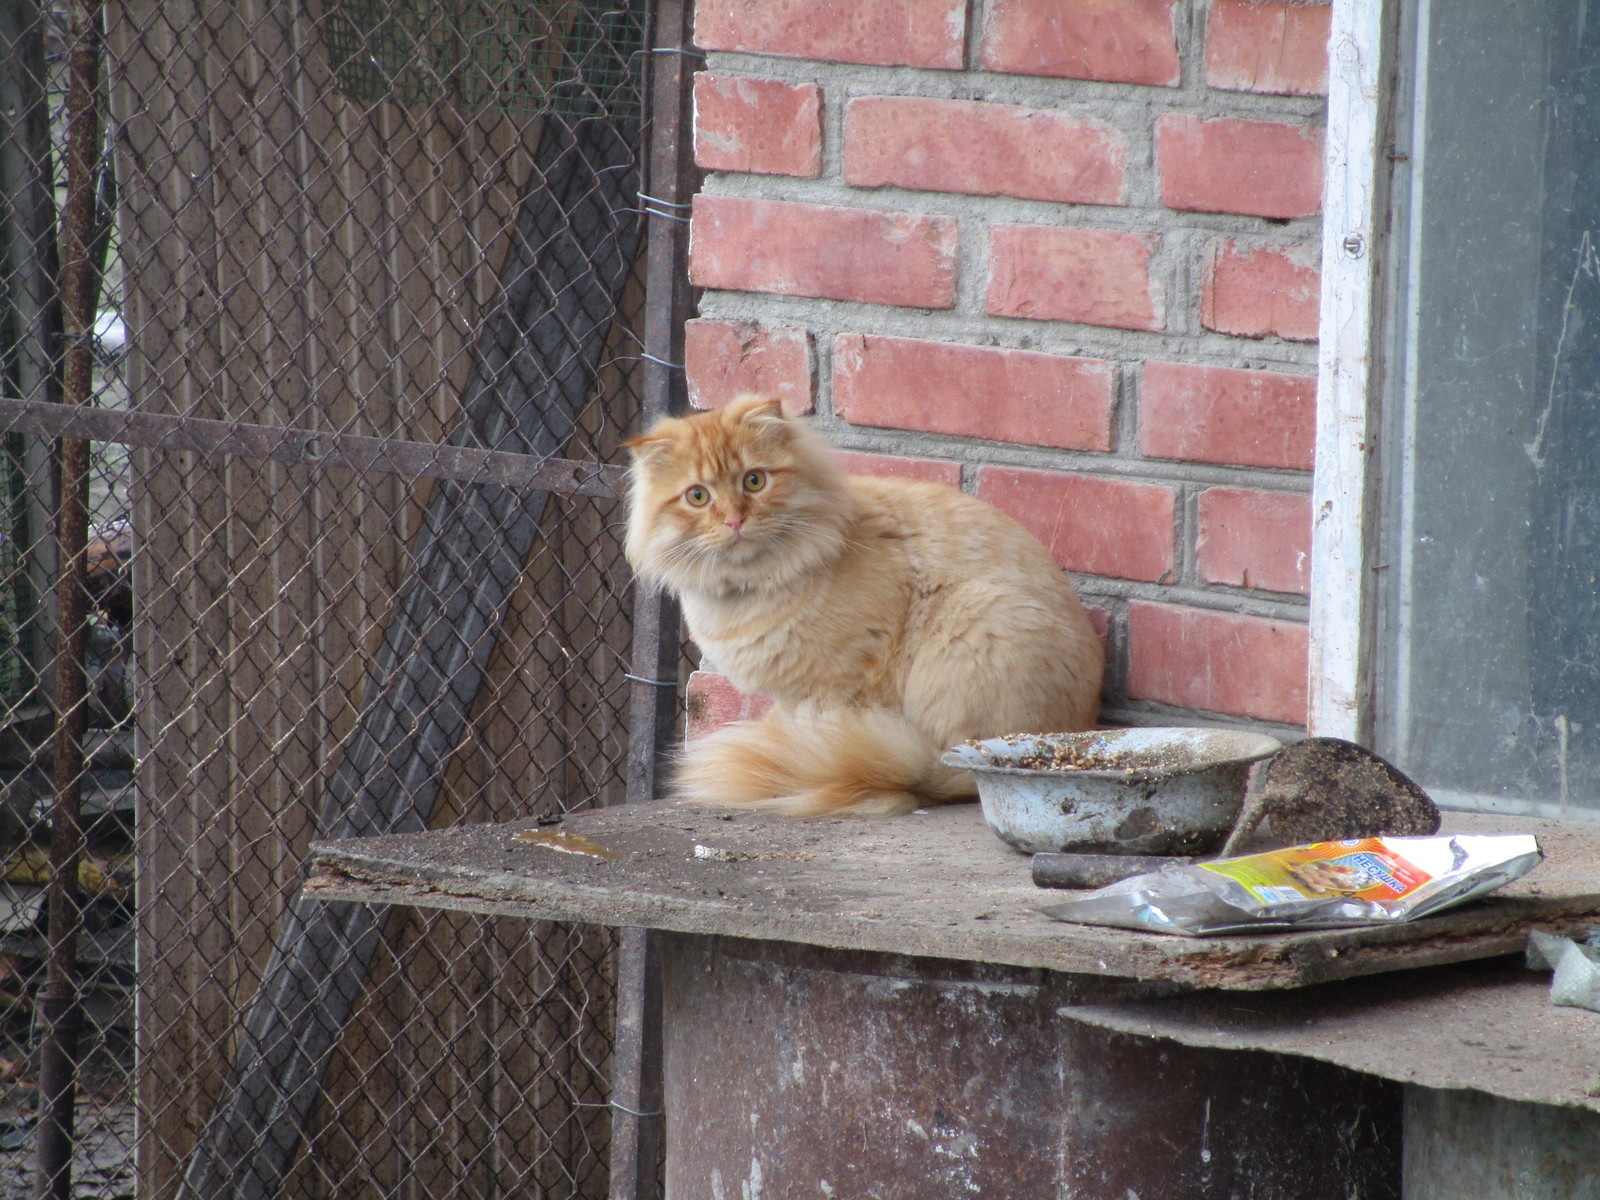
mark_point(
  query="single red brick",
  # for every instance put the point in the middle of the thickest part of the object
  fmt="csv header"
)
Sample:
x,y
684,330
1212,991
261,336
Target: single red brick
x,y
1218,662
1261,291
1267,46
974,391
724,359
713,701
759,126
1093,276
890,33
1224,415
817,250
982,150
1089,523
1118,41
895,467
1255,168
1255,539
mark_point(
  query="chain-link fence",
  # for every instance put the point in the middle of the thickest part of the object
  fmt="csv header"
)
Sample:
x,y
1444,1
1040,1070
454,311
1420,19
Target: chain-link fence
x,y
320,326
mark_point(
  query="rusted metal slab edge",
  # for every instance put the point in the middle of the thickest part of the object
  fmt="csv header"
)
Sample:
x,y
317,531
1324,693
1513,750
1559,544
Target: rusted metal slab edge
x,y
1490,928
1486,1026
430,460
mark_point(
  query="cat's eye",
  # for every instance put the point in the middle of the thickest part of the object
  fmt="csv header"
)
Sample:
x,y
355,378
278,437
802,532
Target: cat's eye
x,y
697,496
754,481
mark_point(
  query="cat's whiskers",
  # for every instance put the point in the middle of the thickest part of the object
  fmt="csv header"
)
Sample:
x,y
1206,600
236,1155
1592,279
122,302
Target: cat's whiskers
x,y
700,563
788,532
670,559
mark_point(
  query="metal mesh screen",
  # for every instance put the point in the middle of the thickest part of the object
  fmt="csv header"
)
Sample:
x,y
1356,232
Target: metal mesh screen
x,y
528,57
322,335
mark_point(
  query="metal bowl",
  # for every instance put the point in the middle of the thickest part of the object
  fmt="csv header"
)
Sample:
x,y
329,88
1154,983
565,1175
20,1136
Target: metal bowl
x,y
1114,791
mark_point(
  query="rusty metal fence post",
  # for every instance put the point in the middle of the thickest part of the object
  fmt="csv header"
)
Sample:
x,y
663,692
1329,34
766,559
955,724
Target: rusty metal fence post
x,y
82,262
637,1117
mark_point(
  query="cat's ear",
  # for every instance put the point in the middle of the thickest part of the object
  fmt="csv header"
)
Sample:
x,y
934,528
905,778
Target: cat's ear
x,y
760,412
649,446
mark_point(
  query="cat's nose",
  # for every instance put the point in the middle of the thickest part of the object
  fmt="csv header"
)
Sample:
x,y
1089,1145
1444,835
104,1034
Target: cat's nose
x,y
734,523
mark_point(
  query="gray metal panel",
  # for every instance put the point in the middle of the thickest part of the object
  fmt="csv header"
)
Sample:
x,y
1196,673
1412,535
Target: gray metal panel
x,y
1466,1144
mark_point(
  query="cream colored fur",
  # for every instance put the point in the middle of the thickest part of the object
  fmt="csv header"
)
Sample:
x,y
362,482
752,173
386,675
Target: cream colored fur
x,y
888,619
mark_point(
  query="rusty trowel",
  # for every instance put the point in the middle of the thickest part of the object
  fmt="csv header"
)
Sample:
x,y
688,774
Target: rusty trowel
x,y
1317,790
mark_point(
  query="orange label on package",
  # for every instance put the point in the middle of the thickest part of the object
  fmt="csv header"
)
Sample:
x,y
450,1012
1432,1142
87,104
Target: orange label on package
x,y
1363,868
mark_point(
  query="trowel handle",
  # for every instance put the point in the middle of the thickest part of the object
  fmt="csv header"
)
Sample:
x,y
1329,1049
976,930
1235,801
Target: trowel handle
x,y
1096,870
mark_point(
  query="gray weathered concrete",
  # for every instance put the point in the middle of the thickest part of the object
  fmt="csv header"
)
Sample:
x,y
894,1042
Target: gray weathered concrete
x,y
935,883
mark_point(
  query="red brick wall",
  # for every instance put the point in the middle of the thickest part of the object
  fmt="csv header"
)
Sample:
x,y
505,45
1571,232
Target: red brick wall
x,y
1063,254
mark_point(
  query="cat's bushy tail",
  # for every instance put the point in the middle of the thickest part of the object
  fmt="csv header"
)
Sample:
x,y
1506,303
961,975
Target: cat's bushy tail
x,y
813,762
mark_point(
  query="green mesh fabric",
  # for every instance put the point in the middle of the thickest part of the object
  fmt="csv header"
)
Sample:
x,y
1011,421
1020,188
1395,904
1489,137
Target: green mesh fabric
x,y
574,58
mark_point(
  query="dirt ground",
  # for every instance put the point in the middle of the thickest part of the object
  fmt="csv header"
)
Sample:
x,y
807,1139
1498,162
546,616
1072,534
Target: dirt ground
x,y
102,1168
103,1164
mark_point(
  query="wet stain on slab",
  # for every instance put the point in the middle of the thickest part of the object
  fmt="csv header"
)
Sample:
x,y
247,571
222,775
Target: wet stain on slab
x,y
567,843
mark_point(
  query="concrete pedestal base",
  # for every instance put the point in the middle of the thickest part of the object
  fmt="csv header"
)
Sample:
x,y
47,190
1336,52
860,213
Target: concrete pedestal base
x,y
1466,1144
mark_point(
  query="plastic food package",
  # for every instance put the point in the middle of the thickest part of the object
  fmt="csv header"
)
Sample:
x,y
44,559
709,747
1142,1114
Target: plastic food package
x,y
1363,881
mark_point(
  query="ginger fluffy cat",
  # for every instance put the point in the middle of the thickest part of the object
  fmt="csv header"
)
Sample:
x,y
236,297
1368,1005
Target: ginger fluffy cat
x,y
888,619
